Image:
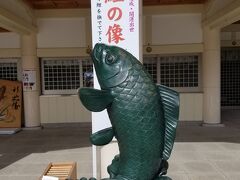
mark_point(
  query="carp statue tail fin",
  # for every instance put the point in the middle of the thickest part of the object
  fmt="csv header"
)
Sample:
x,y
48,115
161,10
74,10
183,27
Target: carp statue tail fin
x,y
170,102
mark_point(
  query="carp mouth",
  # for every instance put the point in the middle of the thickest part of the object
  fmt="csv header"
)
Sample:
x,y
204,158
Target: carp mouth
x,y
97,52
108,78
113,80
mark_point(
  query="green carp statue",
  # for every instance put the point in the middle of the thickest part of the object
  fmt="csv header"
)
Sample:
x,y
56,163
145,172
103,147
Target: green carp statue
x,y
143,115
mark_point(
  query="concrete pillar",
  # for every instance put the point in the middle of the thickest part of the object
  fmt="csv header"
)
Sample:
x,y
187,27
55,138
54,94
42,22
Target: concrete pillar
x,y
31,97
211,77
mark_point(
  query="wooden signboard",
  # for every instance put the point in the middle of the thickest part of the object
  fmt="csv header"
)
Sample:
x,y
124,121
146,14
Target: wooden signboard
x,y
10,104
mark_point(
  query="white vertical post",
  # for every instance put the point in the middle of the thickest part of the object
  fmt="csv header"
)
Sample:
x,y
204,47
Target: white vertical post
x,y
109,17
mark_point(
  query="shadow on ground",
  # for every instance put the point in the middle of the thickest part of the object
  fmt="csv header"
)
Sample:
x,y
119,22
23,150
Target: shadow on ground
x,y
50,138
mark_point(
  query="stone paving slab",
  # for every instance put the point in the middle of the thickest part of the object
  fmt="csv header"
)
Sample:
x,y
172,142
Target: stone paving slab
x,y
200,153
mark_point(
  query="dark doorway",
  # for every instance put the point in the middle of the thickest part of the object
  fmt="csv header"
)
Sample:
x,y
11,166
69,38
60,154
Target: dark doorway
x,y
230,83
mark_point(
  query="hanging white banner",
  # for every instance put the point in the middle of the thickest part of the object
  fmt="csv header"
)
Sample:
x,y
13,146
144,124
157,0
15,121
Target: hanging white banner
x,y
114,22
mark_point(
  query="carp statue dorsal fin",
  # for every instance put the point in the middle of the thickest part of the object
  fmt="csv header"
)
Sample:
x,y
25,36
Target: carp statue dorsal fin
x,y
102,137
170,101
95,100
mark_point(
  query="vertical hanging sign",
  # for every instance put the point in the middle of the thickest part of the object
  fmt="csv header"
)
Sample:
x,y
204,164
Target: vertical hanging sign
x,y
114,22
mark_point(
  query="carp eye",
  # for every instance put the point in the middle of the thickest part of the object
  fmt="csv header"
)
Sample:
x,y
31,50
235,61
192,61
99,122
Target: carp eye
x,y
110,59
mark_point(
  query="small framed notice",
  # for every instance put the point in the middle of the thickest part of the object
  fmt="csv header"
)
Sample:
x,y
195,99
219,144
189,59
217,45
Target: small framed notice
x,y
29,80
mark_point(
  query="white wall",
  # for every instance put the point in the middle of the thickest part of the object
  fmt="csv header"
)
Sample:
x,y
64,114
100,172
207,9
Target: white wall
x,y
9,40
71,33
61,32
226,36
176,29
62,109
191,105
229,34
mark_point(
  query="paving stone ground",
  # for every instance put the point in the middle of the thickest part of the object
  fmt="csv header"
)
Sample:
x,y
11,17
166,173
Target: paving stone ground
x,y
200,153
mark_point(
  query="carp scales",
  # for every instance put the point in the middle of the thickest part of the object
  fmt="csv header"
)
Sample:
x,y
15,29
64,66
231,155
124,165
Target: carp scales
x,y
143,115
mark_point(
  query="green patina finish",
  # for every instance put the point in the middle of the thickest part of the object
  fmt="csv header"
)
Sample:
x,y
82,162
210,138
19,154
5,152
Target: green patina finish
x,y
143,115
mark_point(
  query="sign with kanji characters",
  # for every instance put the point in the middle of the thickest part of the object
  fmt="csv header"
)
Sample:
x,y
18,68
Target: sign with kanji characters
x,y
29,80
116,22
10,104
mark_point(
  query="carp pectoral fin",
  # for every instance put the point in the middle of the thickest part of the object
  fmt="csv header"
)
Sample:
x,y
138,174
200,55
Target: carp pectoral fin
x,y
102,137
95,100
170,101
